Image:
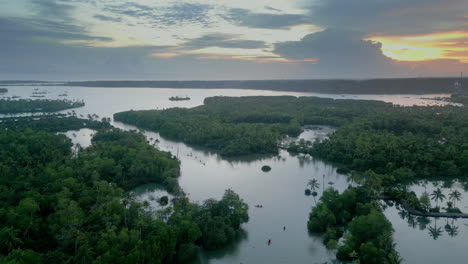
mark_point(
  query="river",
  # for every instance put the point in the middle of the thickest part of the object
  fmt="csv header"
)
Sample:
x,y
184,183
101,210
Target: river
x,y
206,175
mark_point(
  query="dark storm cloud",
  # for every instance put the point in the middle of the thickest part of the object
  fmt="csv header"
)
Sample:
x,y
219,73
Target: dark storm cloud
x,y
340,51
246,18
390,16
223,41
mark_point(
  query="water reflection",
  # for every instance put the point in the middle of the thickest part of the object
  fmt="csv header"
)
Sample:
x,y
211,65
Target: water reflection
x,y
226,252
435,226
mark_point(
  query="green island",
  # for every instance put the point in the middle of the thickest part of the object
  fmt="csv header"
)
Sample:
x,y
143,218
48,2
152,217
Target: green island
x,y
383,147
355,216
57,206
51,123
42,105
247,125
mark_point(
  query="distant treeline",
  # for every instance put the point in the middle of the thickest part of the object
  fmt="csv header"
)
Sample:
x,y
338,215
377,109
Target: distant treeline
x,y
375,86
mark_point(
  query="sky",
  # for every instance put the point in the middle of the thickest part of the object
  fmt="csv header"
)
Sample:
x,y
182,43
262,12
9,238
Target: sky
x,y
232,39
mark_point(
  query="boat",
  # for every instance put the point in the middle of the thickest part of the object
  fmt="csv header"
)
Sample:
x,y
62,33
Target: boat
x,y
177,98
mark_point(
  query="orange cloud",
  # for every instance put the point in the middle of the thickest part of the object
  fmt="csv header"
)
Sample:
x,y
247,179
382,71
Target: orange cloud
x,y
165,55
439,45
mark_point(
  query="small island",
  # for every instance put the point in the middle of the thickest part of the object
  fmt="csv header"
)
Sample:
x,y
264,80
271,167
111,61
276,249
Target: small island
x,y
266,168
42,105
177,98
3,90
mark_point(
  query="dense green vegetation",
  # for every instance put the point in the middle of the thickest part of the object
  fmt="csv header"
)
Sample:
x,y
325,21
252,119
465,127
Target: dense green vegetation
x,y
459,98
51,123
43,105
60,207
404,143
125,158
247,125
356,216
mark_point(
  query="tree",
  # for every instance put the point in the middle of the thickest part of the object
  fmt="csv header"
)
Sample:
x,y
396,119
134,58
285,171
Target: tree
x,y
455,196
314,184
320,218
437,196
425,201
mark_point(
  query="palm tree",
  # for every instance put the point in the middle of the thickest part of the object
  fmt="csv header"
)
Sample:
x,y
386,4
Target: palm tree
x,y
437,196
455,196
314,184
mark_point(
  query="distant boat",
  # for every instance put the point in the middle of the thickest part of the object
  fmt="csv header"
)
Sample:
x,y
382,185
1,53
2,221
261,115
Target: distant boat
x,y
177,98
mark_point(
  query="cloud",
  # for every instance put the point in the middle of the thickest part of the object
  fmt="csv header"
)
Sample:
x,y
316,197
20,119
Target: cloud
x,y
246,18
273,9
342,52
42,30
389,17
53,9
108,18
222,41
177,14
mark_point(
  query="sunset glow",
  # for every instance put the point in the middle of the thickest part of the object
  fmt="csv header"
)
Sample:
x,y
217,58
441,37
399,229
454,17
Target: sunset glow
x,y
440,45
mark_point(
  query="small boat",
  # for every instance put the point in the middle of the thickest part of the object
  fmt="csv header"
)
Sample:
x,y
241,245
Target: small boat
x,y
177,98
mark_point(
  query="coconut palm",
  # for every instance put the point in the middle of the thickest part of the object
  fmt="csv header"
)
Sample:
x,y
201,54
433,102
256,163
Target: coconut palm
x,y
437,196
314,184
455,196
